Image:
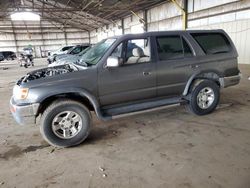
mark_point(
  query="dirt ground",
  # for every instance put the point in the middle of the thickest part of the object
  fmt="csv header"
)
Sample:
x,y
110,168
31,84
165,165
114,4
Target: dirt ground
x,y
169,148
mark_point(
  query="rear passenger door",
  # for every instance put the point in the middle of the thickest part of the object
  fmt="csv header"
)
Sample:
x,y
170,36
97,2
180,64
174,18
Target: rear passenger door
x,y
175,64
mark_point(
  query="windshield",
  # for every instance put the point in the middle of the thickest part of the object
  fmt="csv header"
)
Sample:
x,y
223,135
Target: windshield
x,y
94,54
84,51
65,48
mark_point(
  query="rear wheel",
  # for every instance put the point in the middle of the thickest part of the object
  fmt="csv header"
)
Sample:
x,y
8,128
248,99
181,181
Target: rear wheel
x,y
204,98
65,123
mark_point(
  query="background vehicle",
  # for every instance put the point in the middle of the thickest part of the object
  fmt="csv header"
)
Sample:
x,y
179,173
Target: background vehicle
x,y
62,50
1,57
126,74
26,58
8,55
69,59
72,51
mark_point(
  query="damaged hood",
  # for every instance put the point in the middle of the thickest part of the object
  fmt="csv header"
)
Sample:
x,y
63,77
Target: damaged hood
x,y
47,72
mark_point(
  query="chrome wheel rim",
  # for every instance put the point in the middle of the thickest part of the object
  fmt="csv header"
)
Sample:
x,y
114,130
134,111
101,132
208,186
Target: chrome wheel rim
x,y
205,98
67,124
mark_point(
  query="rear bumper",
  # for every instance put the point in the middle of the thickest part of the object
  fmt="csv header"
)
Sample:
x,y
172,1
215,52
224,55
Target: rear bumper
x,y
25,114
230,80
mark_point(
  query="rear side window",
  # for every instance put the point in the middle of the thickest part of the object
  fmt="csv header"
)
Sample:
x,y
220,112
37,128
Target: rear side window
x,y
212,43
172,47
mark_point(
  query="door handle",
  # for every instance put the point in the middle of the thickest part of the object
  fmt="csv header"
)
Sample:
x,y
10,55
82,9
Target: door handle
x,y
146,73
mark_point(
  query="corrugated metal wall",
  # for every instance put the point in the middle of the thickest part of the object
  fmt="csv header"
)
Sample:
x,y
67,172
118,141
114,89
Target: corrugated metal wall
x,y
42,36
231,15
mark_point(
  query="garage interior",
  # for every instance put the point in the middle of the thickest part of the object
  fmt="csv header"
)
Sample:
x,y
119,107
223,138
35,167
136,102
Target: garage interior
x,y
165,148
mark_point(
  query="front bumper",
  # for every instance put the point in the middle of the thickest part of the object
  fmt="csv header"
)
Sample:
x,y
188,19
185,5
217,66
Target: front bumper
x,y
230,80
24,114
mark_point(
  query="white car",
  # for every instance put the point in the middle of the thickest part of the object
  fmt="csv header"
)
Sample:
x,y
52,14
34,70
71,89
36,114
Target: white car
x,y
68,58
61,50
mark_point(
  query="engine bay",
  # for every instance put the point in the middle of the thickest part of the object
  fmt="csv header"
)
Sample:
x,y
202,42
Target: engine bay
x,y
47,72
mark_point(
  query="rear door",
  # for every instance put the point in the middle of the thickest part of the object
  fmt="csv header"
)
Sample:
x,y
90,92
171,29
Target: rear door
x,y
134,80
176,63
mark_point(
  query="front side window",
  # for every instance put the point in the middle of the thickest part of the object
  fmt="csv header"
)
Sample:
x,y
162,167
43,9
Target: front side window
x,y
172,47
212,43
137,51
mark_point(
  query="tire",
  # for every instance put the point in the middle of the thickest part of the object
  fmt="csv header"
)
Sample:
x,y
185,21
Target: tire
x,y
203,108
55,138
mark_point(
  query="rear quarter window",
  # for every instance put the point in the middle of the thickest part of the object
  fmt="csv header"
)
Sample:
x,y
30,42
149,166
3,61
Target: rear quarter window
x,y
212,43
172,47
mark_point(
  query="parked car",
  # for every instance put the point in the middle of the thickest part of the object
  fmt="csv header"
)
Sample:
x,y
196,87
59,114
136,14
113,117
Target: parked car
x,y
69,59
8,55
62,50
1,57
127,74
72,51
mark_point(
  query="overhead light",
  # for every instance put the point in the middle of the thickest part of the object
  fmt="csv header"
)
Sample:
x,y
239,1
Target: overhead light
x,y
29,16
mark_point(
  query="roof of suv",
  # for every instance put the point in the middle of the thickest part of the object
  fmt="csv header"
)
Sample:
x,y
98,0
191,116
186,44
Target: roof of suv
x,y
153,33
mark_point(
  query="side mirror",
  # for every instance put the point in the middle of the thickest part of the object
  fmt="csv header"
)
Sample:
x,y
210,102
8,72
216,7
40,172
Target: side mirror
x,y
113,62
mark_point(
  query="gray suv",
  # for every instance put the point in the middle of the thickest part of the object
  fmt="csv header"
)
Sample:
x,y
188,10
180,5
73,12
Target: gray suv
x,y
126,74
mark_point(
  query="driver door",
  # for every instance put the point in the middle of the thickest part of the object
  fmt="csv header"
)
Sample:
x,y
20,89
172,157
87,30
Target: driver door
x,y
130,82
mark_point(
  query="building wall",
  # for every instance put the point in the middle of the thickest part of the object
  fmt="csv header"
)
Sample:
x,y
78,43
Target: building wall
x,y
42,36
234,18
231,15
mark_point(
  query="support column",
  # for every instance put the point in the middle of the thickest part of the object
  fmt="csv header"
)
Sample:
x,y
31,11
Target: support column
x,y
89,37
185,15
184,12
65,36
43,44
14,36
123,30
145,17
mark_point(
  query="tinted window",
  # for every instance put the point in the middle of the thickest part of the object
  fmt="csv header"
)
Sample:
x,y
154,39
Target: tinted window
x,y
212,43
172,47
66,48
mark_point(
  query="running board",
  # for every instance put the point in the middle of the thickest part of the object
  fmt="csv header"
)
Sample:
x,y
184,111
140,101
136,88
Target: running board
x,y
137,108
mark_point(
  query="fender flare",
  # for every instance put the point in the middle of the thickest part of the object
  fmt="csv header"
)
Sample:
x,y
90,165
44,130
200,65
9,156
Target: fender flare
x,y
83,93
194,76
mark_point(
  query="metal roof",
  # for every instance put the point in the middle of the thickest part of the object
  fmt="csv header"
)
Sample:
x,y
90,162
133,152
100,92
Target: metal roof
x,y
83,14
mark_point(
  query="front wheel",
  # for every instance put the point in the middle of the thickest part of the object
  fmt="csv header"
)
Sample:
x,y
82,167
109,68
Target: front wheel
x,y
65,123
204,98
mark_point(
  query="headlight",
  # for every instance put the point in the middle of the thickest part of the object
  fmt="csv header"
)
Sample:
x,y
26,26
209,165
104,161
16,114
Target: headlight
x,y
20,93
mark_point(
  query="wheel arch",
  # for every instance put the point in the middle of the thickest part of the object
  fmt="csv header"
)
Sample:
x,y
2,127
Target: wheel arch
x,y
199,76
78,95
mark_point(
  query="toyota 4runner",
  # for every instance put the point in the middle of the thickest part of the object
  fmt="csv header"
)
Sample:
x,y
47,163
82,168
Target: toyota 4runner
x,y
127,74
